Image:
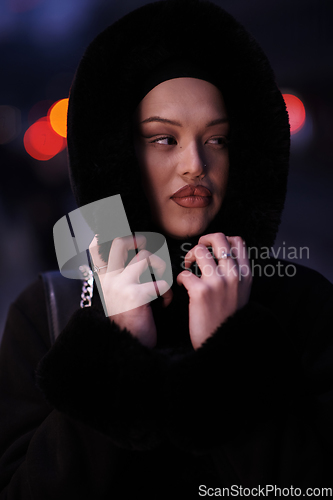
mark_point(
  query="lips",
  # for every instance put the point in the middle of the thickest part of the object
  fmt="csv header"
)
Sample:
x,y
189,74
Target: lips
x,y
192,197
186,191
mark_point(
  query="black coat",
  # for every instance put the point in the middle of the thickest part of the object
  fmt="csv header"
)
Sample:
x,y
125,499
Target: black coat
x,y
113,419
252,406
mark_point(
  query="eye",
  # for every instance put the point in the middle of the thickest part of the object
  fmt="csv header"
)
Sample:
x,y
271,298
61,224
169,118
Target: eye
x,y
220,141
167,141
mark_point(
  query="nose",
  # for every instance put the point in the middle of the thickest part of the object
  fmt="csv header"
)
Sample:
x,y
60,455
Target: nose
x,y
192,162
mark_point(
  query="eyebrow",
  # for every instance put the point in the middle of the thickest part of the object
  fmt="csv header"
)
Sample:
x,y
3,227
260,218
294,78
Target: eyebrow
x,y
161,120
217,122
177,124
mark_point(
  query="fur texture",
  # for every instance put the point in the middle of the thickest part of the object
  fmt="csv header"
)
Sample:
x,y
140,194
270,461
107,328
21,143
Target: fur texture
x,y
94,380
135,395
242,376
106,91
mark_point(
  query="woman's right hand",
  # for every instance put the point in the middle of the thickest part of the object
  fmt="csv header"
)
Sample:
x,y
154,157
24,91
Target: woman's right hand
x,y
126,299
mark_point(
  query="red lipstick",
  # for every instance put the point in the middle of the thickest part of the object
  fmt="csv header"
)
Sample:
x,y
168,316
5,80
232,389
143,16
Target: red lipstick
x,y
192,196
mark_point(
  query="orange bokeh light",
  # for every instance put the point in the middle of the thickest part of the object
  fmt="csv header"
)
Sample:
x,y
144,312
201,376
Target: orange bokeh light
x,y
58,117
296,112
42,142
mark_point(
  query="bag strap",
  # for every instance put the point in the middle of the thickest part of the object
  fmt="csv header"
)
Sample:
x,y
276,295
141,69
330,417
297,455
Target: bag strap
x,y
63,297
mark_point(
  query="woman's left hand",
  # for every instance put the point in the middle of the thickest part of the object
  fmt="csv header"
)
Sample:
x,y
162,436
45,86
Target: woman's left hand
x,y
223,287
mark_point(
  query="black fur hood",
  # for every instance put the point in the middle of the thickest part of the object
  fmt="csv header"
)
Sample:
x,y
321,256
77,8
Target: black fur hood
x,y
105,92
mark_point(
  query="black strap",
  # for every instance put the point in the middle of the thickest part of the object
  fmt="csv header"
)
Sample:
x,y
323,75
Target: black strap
x,y
63,297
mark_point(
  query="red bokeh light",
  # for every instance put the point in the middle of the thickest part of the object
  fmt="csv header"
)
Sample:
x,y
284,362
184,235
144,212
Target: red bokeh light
x,y
42,142
296,112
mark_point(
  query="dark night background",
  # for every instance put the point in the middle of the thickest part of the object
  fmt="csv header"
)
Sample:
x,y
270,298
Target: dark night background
x,y
41,43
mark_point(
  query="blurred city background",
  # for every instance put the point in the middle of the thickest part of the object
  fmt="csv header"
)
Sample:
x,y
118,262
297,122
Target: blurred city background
x,y
41,43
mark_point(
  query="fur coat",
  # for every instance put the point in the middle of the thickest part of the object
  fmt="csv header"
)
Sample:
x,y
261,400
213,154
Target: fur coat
x,y
99,415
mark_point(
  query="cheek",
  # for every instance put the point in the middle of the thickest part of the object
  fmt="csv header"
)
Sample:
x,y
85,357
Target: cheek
x,y
156,170
152,178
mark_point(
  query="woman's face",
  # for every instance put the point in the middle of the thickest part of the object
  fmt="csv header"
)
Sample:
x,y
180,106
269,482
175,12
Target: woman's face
x,y
181,129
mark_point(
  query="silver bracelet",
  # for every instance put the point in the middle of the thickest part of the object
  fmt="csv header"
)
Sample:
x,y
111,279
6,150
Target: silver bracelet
x,y
87,286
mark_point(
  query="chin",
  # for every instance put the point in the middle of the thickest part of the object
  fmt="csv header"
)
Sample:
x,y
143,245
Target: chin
x,y
183,231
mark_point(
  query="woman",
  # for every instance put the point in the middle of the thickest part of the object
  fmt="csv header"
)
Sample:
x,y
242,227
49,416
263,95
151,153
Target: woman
x,y
175,107
185,194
